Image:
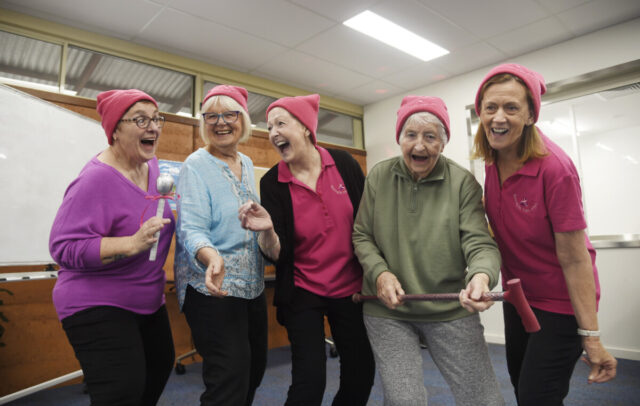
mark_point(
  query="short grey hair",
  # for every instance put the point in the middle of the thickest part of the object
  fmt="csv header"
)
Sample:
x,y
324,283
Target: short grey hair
x,y
230,104
423,118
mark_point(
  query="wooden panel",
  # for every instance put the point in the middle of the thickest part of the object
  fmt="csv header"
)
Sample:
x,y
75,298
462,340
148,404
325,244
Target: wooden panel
x,y
36,348
176,141
260,150
85,111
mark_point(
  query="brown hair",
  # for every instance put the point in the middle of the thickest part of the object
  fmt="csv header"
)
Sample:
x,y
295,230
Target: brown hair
x,y
530,145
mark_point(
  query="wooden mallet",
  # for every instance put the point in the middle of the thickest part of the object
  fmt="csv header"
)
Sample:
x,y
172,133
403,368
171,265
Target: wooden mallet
x,y
513,295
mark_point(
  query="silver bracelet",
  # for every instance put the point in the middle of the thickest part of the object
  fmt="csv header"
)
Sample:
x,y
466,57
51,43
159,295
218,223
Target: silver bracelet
x,y
588,333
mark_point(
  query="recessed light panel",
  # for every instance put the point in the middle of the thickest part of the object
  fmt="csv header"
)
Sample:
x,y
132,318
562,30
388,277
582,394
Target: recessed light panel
x,y
392,34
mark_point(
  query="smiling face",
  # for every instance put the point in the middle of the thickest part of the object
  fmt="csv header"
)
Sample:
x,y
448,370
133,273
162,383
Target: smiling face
x,y
222,135
504,113
421,145
137,144
287,135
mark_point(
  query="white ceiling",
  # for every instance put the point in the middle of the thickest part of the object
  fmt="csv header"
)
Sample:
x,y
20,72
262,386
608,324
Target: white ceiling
x,y
304,44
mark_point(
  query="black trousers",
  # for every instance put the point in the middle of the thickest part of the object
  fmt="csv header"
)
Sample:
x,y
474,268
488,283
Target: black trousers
x,y
541,364
304,321
231,336
126,357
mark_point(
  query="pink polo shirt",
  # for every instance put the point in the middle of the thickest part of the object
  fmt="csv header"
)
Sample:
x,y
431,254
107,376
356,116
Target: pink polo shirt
x,y
543,197
324,263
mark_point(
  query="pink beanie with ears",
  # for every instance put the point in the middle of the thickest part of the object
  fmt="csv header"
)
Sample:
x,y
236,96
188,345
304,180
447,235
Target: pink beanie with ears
x,y
533,80
113,104
304,108
237,93
415,104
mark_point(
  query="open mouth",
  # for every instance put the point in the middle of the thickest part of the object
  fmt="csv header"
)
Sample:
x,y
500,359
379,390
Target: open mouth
x,y
499,131
420,158
223,132
148,141
282,145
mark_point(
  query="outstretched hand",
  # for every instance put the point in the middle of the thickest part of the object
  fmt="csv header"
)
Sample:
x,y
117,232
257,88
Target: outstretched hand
x,y
214,274
254,217
603,365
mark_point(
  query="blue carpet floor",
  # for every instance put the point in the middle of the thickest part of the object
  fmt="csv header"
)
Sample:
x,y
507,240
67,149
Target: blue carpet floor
x,y
184,390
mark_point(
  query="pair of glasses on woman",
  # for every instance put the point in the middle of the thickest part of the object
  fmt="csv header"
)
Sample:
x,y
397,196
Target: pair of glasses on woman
x,y
229,117
144,122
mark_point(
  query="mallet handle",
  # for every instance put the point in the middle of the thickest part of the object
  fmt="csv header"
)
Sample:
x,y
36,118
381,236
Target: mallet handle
x,y
513,295
154,248
433,297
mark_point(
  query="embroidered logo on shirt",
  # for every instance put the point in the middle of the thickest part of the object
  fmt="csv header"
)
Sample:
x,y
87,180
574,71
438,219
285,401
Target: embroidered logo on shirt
x,y
523,204
340,190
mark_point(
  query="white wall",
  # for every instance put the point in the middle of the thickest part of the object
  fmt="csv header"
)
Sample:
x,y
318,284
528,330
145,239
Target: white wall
x,y
599,50
606,174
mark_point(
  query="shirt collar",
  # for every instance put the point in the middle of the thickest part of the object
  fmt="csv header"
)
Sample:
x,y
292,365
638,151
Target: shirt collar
x,y
531,168
436,174
285,175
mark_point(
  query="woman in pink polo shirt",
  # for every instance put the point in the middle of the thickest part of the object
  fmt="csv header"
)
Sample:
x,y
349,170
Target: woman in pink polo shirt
x,y
310,201
534,205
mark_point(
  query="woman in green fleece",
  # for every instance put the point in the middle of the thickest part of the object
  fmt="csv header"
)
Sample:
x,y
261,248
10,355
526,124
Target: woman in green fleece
x,y
425,232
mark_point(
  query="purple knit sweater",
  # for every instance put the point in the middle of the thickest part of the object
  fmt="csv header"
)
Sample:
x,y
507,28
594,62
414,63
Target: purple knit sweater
x,y
101,202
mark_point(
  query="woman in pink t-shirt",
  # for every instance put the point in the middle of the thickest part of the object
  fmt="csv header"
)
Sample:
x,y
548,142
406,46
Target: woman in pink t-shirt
x,y
310,199
534,205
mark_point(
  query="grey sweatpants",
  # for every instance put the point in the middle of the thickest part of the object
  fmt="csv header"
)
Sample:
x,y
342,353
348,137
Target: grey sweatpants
x,y
457,347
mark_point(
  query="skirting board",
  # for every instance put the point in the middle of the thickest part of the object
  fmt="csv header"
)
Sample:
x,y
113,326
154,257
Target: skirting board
x,y
626,353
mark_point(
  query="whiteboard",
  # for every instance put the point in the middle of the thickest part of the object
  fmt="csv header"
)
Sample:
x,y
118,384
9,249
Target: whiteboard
x,y
43,147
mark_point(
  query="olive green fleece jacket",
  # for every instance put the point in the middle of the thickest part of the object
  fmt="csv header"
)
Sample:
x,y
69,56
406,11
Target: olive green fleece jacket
x,y
431,234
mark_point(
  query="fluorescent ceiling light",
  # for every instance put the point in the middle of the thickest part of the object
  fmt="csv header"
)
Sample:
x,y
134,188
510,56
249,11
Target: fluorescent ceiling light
x,y
392,34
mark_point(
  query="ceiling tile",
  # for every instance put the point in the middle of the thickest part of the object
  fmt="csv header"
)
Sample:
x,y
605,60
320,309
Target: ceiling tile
x,y
470,58
421,20
555,6
353,50
599,14
531,37
275,20
418,75
196,38
372,92
310,73
488,18
337,10
256,36
117,18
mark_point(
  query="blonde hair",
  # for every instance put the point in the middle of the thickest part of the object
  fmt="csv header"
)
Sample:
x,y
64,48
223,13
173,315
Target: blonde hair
x,y
530,145
230,104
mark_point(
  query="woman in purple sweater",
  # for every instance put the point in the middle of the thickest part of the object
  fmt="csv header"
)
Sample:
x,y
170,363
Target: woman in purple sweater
x,y
109,295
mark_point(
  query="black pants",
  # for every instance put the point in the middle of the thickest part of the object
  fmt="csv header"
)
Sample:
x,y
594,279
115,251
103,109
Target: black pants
x,y
540,364
304,321
126,357
231,336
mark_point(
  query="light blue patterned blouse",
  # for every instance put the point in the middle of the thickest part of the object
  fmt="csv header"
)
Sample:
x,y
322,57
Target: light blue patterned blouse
x,y
210,195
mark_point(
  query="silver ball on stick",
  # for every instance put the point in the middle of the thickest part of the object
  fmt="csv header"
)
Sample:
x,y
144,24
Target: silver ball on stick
x,y
164,184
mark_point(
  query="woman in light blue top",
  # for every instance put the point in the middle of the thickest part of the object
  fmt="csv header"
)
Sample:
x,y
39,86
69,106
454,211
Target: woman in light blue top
x,y
218,267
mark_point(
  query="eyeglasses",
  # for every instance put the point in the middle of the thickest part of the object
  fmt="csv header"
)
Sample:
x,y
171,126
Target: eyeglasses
x,y
144,122
228,117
